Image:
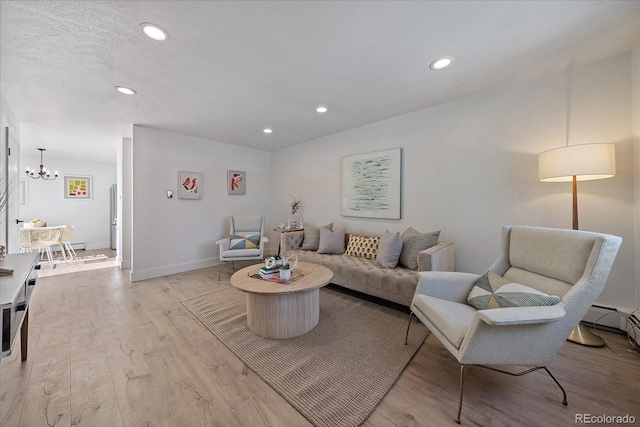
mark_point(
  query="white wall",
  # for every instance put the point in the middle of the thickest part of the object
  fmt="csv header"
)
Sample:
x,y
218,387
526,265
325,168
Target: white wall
x,y
9,236
635,111
125,167
470,166
176,235
90,218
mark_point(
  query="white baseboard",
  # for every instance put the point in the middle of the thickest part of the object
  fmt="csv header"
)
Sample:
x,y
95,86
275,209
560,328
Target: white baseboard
x,y
605,316
138,275
123,265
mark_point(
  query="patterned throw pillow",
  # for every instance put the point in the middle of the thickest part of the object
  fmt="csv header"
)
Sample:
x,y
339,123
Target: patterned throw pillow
x,y
413,242
362,246
248,240
494,291
312,237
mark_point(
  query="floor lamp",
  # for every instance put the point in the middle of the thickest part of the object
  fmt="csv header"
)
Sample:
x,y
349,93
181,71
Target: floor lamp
x,y
578,163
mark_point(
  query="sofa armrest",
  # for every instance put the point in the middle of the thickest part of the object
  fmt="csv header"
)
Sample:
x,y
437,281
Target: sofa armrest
x,y
440,257
291,240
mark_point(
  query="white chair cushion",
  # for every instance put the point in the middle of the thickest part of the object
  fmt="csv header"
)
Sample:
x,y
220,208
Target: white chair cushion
x,y
452,319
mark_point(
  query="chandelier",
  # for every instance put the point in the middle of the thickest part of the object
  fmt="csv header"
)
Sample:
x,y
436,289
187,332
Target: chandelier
x,y
44,173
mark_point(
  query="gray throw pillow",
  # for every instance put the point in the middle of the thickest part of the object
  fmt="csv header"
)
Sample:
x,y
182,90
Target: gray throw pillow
x,y
332,242
413,242
311,240
389,249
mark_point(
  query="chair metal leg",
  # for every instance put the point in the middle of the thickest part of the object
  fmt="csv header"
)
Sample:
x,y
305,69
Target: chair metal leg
x,y
219,271
70,250
63,252
461,391
406,337
564,393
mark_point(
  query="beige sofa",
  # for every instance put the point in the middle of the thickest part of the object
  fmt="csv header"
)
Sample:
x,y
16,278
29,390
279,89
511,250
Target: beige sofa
x,y
367,276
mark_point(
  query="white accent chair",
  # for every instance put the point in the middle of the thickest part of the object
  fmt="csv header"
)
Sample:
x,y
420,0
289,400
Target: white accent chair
x,y
571,264
41,239
242,224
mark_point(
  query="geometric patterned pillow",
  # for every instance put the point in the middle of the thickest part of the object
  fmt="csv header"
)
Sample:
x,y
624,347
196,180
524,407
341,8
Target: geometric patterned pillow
x,y
494,291
248,240
414,242
363,246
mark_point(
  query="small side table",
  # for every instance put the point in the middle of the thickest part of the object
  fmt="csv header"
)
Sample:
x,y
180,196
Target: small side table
x,y
284,231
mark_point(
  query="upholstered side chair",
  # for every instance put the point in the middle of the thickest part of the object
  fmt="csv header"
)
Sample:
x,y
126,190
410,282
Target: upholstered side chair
x,y
572,265
246,240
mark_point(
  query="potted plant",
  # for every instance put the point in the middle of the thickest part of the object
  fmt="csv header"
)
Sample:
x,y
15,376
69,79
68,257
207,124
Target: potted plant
x,y
285,272
295,207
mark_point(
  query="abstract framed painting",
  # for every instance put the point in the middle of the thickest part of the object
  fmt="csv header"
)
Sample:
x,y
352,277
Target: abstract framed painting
x,y
371,184
78,187
190,185
236,182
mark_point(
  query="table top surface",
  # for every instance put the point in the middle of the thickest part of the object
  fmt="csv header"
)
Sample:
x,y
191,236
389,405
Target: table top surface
x,y
287,230
314,276
10,285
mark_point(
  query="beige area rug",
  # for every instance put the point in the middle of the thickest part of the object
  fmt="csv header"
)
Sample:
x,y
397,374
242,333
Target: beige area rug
x,y
79,263
335,375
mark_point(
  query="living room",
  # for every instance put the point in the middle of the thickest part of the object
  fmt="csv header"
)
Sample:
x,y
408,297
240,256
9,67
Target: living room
x,y
469,166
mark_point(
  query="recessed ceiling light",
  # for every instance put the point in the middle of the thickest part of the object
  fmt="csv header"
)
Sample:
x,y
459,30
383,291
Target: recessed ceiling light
x,y
154,31
126,90
441,63
267,130
321,109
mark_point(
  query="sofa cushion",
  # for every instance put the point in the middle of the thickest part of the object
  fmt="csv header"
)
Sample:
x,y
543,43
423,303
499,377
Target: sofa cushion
x,y
331,242
366,275
362,246
413,242
311,240
389,249
246,240
494,291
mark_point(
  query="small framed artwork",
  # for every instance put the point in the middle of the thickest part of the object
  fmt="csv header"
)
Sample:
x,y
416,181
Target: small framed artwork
x,y
189,185
236,182
78,187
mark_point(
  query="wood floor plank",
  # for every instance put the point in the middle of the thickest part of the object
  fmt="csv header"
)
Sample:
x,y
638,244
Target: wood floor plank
x,y
104,351
47,401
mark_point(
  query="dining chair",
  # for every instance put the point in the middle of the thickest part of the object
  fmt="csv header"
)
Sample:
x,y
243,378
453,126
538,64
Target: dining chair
x,y
66,234
41,239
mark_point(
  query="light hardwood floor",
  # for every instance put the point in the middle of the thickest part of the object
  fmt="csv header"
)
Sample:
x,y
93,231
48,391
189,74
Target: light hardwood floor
x,y
106,352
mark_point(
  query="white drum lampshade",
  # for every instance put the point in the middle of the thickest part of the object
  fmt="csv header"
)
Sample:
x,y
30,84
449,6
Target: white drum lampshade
x,y
585,162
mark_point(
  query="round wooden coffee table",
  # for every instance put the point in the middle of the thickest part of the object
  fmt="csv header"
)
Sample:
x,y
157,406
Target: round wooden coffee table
x,y
283,310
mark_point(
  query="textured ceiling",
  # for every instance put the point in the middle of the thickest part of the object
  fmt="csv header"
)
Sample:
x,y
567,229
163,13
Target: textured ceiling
x,y
229,69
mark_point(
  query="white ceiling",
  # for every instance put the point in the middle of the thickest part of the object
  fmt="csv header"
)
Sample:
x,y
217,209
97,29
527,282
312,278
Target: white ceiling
x,y
230,69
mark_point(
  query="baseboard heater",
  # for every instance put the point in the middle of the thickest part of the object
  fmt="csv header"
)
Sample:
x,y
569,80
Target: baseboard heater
x,y
606,318
79,246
